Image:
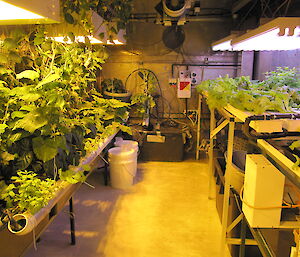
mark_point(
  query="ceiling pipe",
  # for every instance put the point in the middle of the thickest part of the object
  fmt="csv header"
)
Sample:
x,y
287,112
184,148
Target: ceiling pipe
x,y
203,18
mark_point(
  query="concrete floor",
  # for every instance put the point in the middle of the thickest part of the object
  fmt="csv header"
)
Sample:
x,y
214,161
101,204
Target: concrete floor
x,y
165,214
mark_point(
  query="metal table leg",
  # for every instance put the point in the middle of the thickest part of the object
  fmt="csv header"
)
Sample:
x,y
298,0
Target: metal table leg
x,y
243,238
105,173
211,194
227,184
72,222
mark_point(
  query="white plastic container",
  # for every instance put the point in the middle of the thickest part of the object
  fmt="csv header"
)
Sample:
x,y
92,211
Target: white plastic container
x,y
122,165
264,185
127,145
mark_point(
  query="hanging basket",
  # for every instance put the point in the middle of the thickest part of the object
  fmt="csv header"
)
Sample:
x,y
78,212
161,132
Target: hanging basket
x,y
124,97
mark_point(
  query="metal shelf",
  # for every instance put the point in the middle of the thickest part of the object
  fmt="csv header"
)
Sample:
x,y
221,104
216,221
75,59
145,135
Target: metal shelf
x,y
214,168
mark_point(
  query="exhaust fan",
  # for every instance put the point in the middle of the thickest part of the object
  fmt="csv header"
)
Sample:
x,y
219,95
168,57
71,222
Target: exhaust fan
x,y
174,11
176,8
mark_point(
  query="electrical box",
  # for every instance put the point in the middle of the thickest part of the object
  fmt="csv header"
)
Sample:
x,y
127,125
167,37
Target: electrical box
x,y
167,146
263,187
195,75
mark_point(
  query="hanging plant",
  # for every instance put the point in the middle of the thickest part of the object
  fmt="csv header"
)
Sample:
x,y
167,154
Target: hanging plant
x,y
115,10
116,13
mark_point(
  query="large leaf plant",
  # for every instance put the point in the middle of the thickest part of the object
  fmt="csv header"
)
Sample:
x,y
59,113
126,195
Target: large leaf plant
x,y
50,112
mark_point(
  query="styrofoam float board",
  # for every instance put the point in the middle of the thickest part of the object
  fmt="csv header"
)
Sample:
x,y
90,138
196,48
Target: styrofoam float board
x,y
263,187
266,126
291,125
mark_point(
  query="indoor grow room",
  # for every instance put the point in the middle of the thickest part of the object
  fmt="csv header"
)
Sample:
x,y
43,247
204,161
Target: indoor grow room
x,y
149,128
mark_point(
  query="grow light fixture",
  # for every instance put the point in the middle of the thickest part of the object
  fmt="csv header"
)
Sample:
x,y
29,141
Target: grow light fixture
x,y
58,32
282,33
118,40
224,44
29,12
80,39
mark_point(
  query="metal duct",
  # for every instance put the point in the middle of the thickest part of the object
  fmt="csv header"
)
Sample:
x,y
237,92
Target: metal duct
x,y
178,10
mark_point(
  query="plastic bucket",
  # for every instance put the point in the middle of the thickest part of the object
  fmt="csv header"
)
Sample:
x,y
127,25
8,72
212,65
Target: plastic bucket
x,y
127,145
122,164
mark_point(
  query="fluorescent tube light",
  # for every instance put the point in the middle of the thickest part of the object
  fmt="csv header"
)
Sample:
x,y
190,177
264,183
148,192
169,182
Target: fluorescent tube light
x,y
80,39
29,12
279,34
58,32
12,12
223,44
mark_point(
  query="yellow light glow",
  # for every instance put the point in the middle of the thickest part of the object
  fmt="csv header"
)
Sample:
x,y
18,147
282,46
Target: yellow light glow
x,y
114,42
117,42
80,39
282,33
11,12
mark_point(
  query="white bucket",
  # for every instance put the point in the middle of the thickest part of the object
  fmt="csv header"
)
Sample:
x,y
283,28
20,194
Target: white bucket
x,y
122,165
127,145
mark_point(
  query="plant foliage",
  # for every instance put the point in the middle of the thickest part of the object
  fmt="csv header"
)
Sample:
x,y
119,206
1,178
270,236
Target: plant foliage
x,y
28,192
51,115
115,13
280,92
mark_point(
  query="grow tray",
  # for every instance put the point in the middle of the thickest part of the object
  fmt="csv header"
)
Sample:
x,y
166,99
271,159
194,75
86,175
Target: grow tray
x,y
283,146
17,245
272,121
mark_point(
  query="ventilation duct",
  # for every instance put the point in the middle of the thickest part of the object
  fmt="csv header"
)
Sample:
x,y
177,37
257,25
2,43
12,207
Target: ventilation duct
x,y
176,8
29,12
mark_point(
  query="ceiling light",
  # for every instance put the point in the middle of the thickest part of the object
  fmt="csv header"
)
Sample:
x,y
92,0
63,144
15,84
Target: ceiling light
x,y
29,12
279,34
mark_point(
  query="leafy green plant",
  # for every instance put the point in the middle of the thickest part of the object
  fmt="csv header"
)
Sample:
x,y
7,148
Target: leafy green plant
x,y
28,193
280,92
73,177
49,104
113,86
50,112
115,13
142,102
145,89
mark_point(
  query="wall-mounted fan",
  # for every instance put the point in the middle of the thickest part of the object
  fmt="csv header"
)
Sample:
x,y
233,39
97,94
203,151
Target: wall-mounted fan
x,y
173,37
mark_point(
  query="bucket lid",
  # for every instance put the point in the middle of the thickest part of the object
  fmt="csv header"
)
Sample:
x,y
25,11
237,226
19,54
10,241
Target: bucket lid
x,y
126,142
120,151
119,139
